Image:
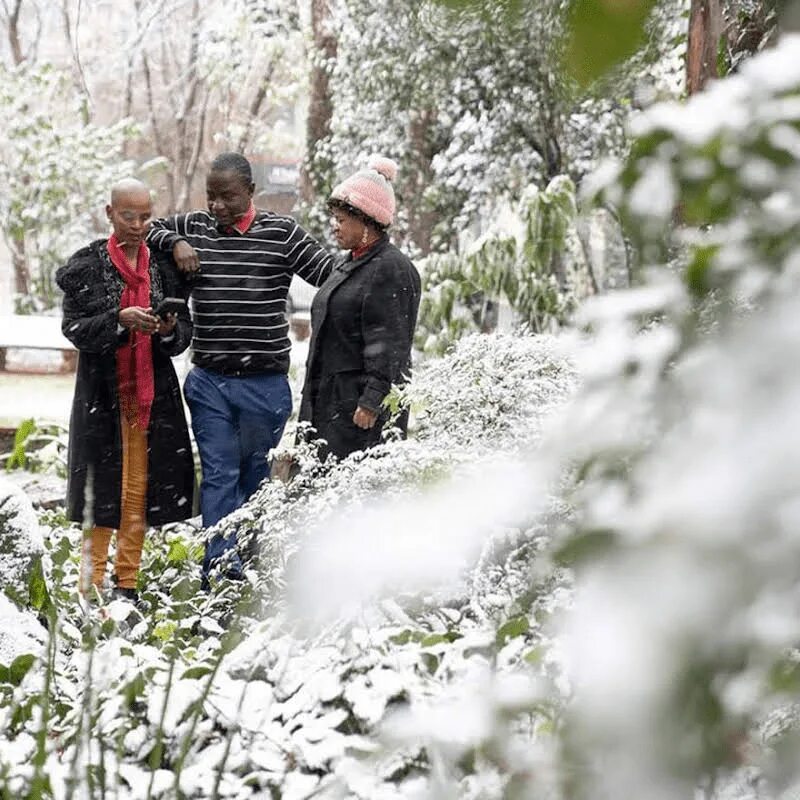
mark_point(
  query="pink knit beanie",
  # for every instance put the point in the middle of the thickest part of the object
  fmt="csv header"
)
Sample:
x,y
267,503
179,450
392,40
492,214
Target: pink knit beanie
x,y
370,190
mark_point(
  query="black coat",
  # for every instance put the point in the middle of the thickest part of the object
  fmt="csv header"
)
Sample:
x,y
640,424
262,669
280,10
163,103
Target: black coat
x,y
92,291
362,322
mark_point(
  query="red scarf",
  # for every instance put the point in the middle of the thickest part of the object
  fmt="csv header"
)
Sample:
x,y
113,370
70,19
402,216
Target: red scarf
x,y
243,225
359,251
134,359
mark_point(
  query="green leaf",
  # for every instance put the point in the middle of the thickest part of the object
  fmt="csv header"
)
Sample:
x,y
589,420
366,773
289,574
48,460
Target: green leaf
x,y
156,756
163,630
38,596
62,553
511,629
184,589
584,546
178,552
535,655
698,279
603,33
723,61
230,641
784,677
19,668
434,638
18,458
430,661
406,636
196,672
134,689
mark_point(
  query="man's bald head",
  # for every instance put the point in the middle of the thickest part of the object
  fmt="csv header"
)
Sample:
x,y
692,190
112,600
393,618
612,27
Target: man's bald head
x,y
128,187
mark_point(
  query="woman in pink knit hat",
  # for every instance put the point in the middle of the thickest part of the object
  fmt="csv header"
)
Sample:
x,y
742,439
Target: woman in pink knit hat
x,y
362,318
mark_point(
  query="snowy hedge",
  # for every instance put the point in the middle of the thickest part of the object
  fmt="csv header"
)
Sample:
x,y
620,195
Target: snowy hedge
x,y
202,697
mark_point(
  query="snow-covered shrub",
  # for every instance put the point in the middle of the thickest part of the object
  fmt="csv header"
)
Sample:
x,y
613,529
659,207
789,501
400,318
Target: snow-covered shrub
x,y
300,703
684,542
21,545
490,397
527,259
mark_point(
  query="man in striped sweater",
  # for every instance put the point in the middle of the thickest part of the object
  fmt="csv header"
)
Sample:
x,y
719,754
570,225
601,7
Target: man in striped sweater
x,y
240,263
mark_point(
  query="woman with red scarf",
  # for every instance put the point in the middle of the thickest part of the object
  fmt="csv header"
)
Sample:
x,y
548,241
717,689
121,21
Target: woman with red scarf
x,y
130,459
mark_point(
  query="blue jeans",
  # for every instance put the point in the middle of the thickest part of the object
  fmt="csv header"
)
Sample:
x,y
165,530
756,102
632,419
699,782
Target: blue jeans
x,y
236,422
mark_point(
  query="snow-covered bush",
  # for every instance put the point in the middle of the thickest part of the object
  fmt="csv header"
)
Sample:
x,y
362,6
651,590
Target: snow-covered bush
x,y
489,397
21,545
298,704
685,626
529,258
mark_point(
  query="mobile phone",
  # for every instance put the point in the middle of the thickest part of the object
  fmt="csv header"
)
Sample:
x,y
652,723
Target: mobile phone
x,y
170,305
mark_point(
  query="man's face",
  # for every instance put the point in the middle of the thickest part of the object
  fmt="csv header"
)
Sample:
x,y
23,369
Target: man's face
x,y
130,216
228,196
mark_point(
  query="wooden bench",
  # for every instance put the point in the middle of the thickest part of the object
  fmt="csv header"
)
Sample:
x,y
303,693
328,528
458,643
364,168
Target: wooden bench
x,y
29,332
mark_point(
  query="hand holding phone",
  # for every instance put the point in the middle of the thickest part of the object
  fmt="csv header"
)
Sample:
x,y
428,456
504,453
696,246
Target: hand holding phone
x,y
170,305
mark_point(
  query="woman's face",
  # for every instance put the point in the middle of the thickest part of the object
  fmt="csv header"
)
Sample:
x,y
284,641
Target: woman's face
x,y
348,230
129,214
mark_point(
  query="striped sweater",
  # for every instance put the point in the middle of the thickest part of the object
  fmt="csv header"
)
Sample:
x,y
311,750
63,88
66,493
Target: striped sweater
x,y
239,295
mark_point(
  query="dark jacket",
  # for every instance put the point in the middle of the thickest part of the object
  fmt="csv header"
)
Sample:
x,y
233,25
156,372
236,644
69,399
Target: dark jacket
x,y
92,290
362,322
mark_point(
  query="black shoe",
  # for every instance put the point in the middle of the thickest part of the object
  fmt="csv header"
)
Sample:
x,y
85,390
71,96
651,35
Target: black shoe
x,y
131,595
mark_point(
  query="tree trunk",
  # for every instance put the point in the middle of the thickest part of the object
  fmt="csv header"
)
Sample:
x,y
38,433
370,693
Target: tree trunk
x,y
19,261
78,77
420,175
705,30
12,23
320,106
22,275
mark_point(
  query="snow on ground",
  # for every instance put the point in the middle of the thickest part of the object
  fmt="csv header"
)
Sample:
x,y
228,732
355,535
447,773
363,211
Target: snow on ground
x,y
20,633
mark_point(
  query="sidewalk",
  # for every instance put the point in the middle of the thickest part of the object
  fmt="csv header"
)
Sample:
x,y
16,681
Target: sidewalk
x,y
48,397
44,397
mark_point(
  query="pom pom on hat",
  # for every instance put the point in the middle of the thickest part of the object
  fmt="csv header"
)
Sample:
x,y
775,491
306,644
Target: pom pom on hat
x,y
385,166
370,191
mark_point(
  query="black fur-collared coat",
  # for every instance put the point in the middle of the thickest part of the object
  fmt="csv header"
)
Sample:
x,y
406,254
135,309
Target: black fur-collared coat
x,y
92,291
362,321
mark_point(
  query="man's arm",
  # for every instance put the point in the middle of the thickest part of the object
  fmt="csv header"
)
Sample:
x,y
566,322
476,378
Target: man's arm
x,y
169,235
307,258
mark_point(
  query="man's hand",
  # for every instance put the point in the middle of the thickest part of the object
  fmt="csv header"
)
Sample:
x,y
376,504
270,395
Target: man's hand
x,y
364,418
185,257
136,318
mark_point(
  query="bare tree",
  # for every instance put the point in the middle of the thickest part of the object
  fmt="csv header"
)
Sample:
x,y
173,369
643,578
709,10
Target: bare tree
x,y
320,105
197,89
11,14
12,21
705,31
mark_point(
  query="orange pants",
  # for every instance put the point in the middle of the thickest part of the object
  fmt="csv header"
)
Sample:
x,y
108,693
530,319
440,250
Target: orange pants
x,y
132,524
